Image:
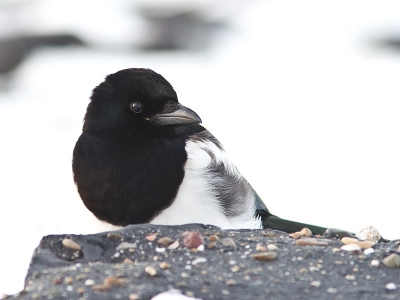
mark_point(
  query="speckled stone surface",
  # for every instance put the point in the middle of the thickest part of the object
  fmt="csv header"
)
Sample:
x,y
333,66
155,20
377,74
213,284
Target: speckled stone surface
x,y
142,268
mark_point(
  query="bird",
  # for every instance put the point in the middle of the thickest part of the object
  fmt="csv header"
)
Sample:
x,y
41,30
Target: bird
x,y
143,157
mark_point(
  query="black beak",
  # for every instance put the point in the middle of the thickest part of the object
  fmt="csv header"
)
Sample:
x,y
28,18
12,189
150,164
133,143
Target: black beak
x,y
175,114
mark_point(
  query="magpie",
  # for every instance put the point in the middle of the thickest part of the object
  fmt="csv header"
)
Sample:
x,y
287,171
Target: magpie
x,y
143,157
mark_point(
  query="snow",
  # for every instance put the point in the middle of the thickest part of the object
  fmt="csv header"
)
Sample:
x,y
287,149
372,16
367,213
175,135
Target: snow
x,y
299,94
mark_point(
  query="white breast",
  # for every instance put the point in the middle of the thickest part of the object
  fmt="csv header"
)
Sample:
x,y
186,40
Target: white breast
x,y
196,201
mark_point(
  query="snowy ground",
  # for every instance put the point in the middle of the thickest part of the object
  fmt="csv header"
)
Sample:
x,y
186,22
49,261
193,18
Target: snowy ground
x,y
298,93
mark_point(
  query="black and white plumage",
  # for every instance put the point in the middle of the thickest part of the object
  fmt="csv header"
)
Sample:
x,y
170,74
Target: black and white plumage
x,y
143,157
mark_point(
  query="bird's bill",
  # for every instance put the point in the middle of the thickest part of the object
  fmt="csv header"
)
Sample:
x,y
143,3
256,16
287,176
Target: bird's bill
x,y
176,114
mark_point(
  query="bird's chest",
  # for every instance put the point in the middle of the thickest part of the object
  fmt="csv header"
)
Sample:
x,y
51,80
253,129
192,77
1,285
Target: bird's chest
x,y
131,181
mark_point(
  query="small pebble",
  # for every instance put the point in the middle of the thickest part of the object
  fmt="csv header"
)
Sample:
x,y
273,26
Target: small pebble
x,y
57,280
312,242
151,237
192,239
350,277
125,245
164,265
335,250
316,283
200,248
351,248
165,241
303,271
160,250
272,247
128,261
133,296
295,235
174,245
184,275
270,234
113,235
89,282
369,234
228,242
261,248
80,290
331,290
150,270
68,280
199,260
392,261
391,286
264,256
369,251
306,232
70,244
114,281
100,287
362,244
235,268
230,282
375,263
213,238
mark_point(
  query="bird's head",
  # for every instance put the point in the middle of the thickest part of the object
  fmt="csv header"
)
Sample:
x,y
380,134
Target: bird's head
x,y
133,101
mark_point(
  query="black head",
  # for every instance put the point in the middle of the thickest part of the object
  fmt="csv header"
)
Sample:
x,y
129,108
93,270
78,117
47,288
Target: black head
x,y
133,101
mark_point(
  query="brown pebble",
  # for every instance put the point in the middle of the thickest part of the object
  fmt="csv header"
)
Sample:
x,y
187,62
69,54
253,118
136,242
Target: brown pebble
x,y
392,261
230,282
150,270
362,244
100,287
295,235
260,247
133,296
213,238
312,242
303,271
264,256
306,232
113,235
192,239
164,265
80,290
114,281
128,261
165,241
57,280
68,280
151,237
228,242
70,244
269,234
174,245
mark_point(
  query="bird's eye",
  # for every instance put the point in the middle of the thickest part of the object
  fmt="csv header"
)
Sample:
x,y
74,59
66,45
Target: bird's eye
x,y
136,107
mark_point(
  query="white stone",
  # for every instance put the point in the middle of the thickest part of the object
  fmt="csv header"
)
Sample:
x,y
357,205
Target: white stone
x,y
369,234
369,251
391,286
